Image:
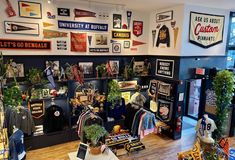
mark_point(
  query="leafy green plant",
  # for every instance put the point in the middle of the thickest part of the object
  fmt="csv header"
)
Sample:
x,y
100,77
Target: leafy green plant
x,y
101,70
93,133
114,93
223,85
12,96
35,76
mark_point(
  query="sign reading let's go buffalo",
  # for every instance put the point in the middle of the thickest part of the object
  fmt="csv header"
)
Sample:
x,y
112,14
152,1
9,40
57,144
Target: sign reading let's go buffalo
x,y
206,30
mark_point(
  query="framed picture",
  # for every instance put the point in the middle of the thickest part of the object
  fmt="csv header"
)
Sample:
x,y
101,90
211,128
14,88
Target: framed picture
x,y
126,44
55,66
12,27
116,47
15,69
45,92
87,67
101,39
164,16
30,9
138,67
117,21
114,65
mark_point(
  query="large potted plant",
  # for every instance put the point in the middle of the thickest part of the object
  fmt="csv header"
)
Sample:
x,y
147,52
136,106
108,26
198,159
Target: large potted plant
x,y
114,93
223,85
94,133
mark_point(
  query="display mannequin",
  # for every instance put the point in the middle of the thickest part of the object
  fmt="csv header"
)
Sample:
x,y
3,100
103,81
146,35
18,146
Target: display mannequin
x,y
205,127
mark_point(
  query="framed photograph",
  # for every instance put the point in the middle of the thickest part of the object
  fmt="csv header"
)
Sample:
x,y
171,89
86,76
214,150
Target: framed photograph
x,y
114,65
116,47
164,16
138,67
16,69
101,39
30,9
45,92
117,21
12,27
126,44
87,67
55,66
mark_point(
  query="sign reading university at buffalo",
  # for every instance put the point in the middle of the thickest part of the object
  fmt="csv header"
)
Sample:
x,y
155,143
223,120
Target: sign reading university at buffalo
x,y
206,30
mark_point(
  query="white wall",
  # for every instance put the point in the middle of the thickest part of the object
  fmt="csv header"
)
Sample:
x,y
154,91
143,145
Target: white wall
x,y
189,49
142,49
178,16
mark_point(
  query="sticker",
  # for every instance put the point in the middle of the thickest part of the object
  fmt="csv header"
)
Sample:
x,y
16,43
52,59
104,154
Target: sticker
x,y
99,50
63,12
48,34
137,28
82,26
137,43
50,16
121,34
78,42
89,40
57,113
83,13
116,47
11,44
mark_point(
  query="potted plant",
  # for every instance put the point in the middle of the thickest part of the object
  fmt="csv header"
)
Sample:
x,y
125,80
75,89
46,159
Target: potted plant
x,y
114,93
94,133
35,76
101,70
223,85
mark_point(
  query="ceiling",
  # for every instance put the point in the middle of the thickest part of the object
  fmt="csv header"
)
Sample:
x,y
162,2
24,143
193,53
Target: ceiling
x,y
149,5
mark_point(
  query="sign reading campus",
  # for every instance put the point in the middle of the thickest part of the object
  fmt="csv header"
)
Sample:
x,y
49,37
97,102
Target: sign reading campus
x,y
206,30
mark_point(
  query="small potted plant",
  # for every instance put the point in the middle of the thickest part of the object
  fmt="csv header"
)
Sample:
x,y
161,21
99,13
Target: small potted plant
x,y
94,133
114,93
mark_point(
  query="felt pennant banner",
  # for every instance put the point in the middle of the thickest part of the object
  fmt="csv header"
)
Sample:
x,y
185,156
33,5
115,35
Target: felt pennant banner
x,y
137,43
12,44
78,42
21,28
9,10
83,13
53,34
45,24
82,26
154,36
137,28
128,13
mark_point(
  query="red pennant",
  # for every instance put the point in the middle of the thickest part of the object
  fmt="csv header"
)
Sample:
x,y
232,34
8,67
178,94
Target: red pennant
x,y
24,5
137,43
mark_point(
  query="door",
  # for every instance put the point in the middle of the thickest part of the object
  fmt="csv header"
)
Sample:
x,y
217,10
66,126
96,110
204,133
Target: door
x,y
193,98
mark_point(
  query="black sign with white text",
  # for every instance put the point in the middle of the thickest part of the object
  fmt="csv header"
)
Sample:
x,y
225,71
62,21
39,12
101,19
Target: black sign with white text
x,y
165,68
63,12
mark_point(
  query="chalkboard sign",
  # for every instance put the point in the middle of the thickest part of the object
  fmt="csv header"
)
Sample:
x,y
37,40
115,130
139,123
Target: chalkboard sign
x,y
36,108
165,68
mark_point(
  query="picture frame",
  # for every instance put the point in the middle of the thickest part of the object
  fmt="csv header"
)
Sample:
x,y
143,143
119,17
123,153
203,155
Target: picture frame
x,y
116,47
45,92
164,16
87,67
126,44
117,21
101,39
15,70
30,9
24,28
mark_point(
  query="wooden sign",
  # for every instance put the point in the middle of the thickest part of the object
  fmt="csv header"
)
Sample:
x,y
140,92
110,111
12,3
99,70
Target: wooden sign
x,y
18,44
121,34
36,108
165,68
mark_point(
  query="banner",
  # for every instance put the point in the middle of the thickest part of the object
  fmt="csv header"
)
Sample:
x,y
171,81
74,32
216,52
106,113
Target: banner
x,y
206,30
83,13
36,108
53,34
10,44
121,34
165,68
137,28
78,42
21,28
82,26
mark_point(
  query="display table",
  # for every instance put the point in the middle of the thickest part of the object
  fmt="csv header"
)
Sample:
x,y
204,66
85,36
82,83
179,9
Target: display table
x,y
105,156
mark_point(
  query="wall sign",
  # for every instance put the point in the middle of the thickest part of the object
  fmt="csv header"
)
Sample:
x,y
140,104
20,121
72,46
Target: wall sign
x,y
206,30
117,21
61,45
36,108
82,26
165,68
63,12
78,42
30,9
121,34
21,28
83,13
99,50
53,34
137,28
24,44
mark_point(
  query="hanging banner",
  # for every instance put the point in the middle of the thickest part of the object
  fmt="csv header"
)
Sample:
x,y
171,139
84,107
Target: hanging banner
x,y
137,43
121,34
98,50
89,40
165,68
9,10
45,24
137,28
83,13
53,34
63,12
206,30
128,14
9,44
36,108
21,28
78,42
82,26
154,36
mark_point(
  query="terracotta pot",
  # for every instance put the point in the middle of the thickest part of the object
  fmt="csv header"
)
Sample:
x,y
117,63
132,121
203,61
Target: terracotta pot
x,y
95,150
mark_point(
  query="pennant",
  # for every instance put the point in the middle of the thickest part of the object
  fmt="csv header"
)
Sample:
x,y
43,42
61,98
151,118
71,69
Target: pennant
x,y
137,28
224,144
9,10
78,42
154,36
173,24
161,17
53,34
196,151
137,43
29,9
176,31
45,24
32,14
24,5
113,41
83,13
89,40
129,13
15,27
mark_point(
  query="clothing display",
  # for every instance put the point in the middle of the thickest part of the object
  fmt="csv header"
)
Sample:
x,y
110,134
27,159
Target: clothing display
x,y
21,118
129,116
54,119
16,146
165,109
163,36
117,111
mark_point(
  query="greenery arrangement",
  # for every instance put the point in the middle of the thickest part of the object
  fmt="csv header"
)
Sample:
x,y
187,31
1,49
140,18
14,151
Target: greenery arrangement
x,y
223,85
12,96
101,70
93,133
35,76
114,93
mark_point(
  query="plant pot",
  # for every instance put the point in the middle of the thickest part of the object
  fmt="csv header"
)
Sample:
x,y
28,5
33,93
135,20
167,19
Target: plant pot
x,y
95,150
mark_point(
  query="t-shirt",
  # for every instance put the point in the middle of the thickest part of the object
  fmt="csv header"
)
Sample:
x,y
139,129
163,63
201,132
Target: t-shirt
x,y
205,124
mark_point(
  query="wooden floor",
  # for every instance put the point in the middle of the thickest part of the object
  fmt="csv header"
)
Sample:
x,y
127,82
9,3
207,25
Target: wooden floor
x,y
157,148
